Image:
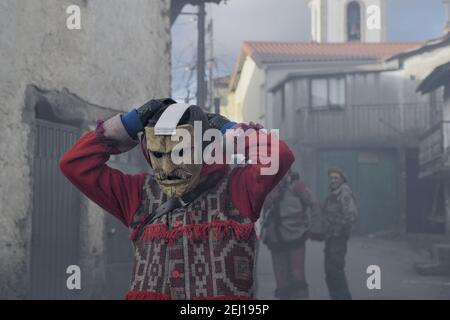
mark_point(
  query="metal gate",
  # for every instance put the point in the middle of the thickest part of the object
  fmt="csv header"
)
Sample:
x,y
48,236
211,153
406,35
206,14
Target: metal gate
x,y
56,214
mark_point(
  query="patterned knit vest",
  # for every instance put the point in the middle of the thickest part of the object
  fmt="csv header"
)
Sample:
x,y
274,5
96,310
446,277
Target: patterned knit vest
x,y
203,251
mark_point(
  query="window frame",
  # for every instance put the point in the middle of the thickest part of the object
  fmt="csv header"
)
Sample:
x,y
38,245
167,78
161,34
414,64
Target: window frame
x,y
329,105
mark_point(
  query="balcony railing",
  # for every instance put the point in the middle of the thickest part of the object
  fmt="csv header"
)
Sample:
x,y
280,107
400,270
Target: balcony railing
x,y
364,124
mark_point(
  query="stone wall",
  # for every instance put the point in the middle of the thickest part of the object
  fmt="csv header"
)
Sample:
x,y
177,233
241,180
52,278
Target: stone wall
x,y
119,59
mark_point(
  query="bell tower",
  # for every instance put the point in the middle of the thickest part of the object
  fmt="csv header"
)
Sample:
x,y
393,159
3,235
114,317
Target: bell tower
x,y
348,20
447,15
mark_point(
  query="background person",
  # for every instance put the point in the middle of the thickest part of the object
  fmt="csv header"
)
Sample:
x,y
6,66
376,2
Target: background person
x,y
339,213
285,231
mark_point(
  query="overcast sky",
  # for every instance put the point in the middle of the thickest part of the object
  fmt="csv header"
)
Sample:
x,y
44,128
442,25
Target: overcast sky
x,y
280,20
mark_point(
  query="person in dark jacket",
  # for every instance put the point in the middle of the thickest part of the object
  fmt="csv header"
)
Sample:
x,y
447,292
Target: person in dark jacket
x,y
339,213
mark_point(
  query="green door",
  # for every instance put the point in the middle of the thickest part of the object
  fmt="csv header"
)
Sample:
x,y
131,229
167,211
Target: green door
x,y
372,176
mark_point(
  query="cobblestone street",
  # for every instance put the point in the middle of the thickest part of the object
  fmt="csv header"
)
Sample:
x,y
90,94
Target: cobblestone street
x,y
396,259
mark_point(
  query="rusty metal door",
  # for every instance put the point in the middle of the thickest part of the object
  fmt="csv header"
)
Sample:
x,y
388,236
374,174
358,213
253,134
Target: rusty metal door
x,y
56,214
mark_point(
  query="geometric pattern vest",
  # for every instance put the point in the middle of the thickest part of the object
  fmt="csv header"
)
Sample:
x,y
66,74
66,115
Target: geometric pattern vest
x,y
203,251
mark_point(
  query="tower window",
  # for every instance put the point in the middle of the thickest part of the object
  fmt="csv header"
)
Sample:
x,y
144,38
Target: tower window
x,y
354,21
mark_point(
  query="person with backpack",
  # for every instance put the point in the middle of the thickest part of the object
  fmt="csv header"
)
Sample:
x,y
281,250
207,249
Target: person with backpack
x,y
284,230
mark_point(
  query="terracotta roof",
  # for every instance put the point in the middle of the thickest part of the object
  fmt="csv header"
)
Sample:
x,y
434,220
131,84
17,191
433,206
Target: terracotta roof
x,y
279,52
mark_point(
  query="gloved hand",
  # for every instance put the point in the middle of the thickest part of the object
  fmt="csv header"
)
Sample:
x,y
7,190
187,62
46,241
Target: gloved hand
x,y
250,125
219,122
149,109
136,120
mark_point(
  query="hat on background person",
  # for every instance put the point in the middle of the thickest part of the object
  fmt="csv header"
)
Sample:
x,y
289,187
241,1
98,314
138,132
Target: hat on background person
x,y
338,171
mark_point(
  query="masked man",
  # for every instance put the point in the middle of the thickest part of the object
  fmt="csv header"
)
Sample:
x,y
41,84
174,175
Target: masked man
x,y
192,224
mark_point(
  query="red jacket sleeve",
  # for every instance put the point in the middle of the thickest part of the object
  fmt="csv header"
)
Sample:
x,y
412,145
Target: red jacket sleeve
x,y
85,166
248,186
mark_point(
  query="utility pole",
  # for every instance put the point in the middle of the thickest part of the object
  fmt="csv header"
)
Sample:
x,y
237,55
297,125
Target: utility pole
x,y
210,66
201,92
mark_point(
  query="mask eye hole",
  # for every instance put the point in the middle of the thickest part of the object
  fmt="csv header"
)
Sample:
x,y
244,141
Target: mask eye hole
x,y
157,154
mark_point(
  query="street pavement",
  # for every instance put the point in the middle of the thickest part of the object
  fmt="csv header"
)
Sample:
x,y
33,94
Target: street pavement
x,y
396,259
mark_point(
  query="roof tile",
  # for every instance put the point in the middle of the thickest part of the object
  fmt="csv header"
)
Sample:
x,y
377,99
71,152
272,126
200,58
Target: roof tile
x,y
279,52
